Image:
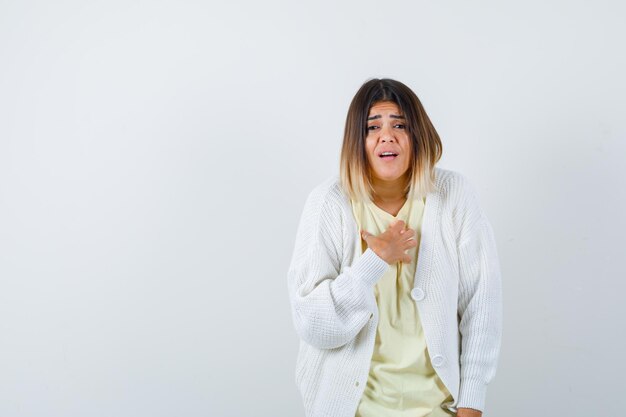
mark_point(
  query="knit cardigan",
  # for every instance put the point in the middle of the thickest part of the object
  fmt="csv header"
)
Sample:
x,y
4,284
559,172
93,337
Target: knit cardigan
x,y
457,290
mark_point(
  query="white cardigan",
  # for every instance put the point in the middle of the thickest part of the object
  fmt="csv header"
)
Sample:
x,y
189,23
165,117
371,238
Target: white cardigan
x,y
457,290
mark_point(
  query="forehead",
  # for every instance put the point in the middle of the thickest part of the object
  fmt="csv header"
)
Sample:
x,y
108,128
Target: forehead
x,y
384,107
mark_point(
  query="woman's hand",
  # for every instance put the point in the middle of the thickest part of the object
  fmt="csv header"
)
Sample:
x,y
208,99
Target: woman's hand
x,y
393,243
468,412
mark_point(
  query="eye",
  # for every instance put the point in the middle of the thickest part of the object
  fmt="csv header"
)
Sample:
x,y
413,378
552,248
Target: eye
x,y
400,126
372,127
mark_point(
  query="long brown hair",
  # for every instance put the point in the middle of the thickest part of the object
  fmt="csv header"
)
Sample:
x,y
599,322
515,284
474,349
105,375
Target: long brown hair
x,y
355,174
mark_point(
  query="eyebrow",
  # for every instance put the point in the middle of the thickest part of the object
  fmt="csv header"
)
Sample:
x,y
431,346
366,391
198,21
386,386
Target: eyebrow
x,y
392,116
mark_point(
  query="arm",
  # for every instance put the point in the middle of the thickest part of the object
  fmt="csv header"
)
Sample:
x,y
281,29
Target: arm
x,y
480,305
329,308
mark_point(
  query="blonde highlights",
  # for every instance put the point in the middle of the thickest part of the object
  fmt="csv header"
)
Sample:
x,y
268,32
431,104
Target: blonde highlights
x,y
354,170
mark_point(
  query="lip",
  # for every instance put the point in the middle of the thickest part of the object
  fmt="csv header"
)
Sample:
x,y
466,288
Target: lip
x,y
379,153
388,160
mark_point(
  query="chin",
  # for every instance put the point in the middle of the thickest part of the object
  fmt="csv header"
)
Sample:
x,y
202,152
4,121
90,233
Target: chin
x,y
389,177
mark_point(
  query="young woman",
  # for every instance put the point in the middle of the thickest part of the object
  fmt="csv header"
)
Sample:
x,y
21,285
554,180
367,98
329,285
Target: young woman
x,y
394,282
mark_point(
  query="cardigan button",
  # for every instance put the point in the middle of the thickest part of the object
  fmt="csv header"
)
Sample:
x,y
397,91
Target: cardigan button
x,y
438,360
417,294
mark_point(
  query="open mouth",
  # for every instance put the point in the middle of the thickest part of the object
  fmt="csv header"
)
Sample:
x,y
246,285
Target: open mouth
x,y
388,155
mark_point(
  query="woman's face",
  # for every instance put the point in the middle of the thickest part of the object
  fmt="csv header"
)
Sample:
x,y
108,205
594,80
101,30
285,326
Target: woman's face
x,y
387,132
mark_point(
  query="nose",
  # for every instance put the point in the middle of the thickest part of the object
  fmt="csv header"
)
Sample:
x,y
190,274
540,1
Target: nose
x,y
386,134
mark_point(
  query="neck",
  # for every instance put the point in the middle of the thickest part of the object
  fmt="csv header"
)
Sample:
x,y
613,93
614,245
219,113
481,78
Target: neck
x,y
389,191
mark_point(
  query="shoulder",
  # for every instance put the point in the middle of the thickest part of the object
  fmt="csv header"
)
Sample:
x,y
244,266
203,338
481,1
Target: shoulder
x,y
328,194
453,184
324,214
327,206
458,193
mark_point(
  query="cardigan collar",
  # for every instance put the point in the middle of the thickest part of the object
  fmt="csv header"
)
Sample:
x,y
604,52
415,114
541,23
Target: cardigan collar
x,y
430,225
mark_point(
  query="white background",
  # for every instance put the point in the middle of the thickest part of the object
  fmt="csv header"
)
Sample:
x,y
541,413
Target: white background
x,y
155,157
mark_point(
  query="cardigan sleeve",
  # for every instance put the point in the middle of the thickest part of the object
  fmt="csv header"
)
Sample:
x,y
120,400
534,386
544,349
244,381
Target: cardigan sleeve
x,y
330,303
479,304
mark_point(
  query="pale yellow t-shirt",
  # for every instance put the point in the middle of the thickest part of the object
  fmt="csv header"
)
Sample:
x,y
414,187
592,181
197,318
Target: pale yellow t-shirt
x,y
402,381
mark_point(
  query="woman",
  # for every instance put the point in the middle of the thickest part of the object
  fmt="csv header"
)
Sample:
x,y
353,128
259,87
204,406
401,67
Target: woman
x,y
394,282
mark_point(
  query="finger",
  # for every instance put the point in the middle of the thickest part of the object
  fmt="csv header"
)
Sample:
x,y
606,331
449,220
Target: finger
x,y
399,224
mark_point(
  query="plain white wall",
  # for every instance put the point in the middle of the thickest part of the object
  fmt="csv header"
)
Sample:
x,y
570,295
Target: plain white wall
x,y
155,157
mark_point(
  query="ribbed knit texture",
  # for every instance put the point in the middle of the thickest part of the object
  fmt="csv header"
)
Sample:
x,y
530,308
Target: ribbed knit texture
x,y
334,309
